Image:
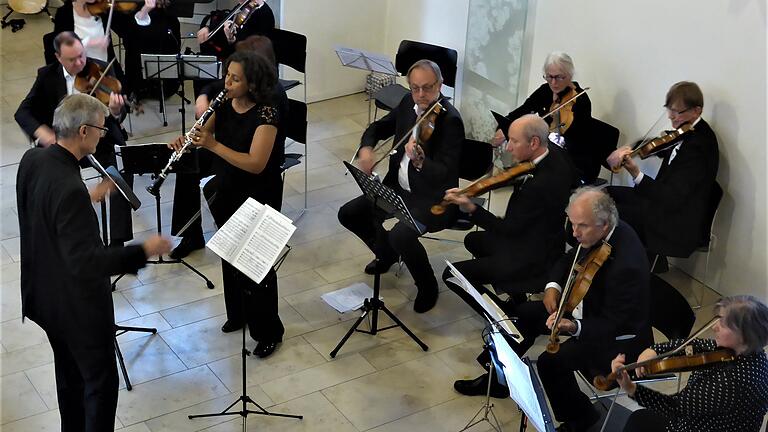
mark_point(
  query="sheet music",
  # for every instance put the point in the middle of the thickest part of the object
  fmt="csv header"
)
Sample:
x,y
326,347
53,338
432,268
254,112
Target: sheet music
x,y
519,382
251,240
489,306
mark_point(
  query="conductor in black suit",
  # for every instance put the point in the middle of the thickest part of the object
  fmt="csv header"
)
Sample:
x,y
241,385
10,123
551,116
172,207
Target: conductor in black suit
x,y
65,267
669,211
612,318
421,175
530,237
35,116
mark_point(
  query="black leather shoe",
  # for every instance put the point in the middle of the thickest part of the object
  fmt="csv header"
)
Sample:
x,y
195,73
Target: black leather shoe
x,y
479,387
382,268
425,300
187,245
231,326
265,349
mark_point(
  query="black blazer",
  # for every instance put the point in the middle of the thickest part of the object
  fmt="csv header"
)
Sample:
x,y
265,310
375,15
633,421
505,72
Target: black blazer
x,y
586,156
49,89
532,226
65,267
618,299
440,170
678,198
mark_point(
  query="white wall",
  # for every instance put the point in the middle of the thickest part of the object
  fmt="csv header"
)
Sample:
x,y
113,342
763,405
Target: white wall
x,y
631,52
351,23
437,22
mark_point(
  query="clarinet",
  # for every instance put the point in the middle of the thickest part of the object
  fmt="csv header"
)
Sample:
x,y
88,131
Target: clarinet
x,y
154,188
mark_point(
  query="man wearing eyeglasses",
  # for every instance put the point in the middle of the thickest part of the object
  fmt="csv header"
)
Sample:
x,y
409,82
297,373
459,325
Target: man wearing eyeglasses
x,y
669,210
35,116
558,73
419,174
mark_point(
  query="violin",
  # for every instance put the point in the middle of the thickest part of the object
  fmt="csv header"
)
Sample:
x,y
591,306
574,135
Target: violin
x,y
427,126
665,141
426,131
489,183
577,286
93,80
562,113
665,363
239,16
100,7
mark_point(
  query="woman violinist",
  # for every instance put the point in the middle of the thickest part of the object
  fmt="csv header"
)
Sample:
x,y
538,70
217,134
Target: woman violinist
x,y
569,126
727,396
247,136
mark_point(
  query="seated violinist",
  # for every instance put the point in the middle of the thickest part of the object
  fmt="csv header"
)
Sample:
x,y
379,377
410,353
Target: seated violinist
x,y
723,396
569,127
668,210
66,77
610,316
529,238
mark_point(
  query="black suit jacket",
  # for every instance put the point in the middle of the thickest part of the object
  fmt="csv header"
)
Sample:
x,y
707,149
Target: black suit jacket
x,y
49,89
586,156
532,228
440,170
65,267
677,199
617,302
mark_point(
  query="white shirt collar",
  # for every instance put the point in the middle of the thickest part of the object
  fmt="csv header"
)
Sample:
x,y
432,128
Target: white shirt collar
x,y
541,157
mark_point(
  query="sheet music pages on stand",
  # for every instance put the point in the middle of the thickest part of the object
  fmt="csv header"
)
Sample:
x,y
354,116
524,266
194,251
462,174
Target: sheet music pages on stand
x,y
252,239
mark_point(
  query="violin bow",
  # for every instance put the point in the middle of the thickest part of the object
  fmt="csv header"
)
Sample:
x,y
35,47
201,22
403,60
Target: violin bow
x,y
234,12
559,107
408,134
103,74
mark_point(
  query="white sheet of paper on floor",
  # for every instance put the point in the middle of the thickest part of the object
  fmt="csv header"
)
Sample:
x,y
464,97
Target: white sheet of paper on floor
x,y
349,298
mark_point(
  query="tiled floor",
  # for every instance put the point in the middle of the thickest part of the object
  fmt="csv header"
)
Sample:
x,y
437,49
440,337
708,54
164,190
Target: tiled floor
x,y
381,383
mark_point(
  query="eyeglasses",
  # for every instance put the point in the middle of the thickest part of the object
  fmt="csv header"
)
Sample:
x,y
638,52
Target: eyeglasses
x,y
554,77
102,130
427,88
674,111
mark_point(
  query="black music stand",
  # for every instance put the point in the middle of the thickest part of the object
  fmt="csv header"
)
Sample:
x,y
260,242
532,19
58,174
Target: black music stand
x,y
122,187
151,159
244,398
385,199
181,67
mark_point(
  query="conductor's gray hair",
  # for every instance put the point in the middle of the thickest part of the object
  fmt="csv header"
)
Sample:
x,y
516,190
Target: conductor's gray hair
x,y
74,111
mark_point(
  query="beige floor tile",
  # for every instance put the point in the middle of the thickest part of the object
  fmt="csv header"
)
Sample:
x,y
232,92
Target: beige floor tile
x,y
202,342
318,178
393,393
167,394
123,309
140,427
47,421
326,339
25,358
299,282
461,359
150,321
10,300
322,251
16,335
43,378
19,398
195,311
293,355
147,359
168,293
319,416
317,378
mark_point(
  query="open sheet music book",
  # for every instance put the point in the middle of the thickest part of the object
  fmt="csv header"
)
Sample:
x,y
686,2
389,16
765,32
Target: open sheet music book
x,y
252,239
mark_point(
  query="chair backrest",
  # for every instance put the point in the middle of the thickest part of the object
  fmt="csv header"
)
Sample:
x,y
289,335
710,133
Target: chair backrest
x,y
48,52
606,138
296,124
410,52
715,196
670,312
290,48
476,159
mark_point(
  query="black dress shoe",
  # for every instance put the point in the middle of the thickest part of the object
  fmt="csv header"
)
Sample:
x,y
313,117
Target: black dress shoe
x,y
479,387
265,349
187,245
383,267
425,300
231,326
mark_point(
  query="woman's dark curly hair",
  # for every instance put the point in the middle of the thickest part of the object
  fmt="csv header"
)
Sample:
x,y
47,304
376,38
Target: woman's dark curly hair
x,y
259,73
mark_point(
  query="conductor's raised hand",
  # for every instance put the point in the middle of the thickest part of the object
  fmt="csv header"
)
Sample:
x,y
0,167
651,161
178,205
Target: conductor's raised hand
x,y
156,245
104,188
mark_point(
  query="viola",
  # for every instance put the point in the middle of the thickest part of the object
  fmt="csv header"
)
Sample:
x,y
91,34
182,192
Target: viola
x,y
94,81
663,142
577,286
100,7
489,183
562,112
666,363
424,134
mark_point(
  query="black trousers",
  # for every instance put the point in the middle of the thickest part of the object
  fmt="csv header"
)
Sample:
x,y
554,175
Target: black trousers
x,y
120,211
186,195
86,385
245,300
645,420
556,370
364,221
